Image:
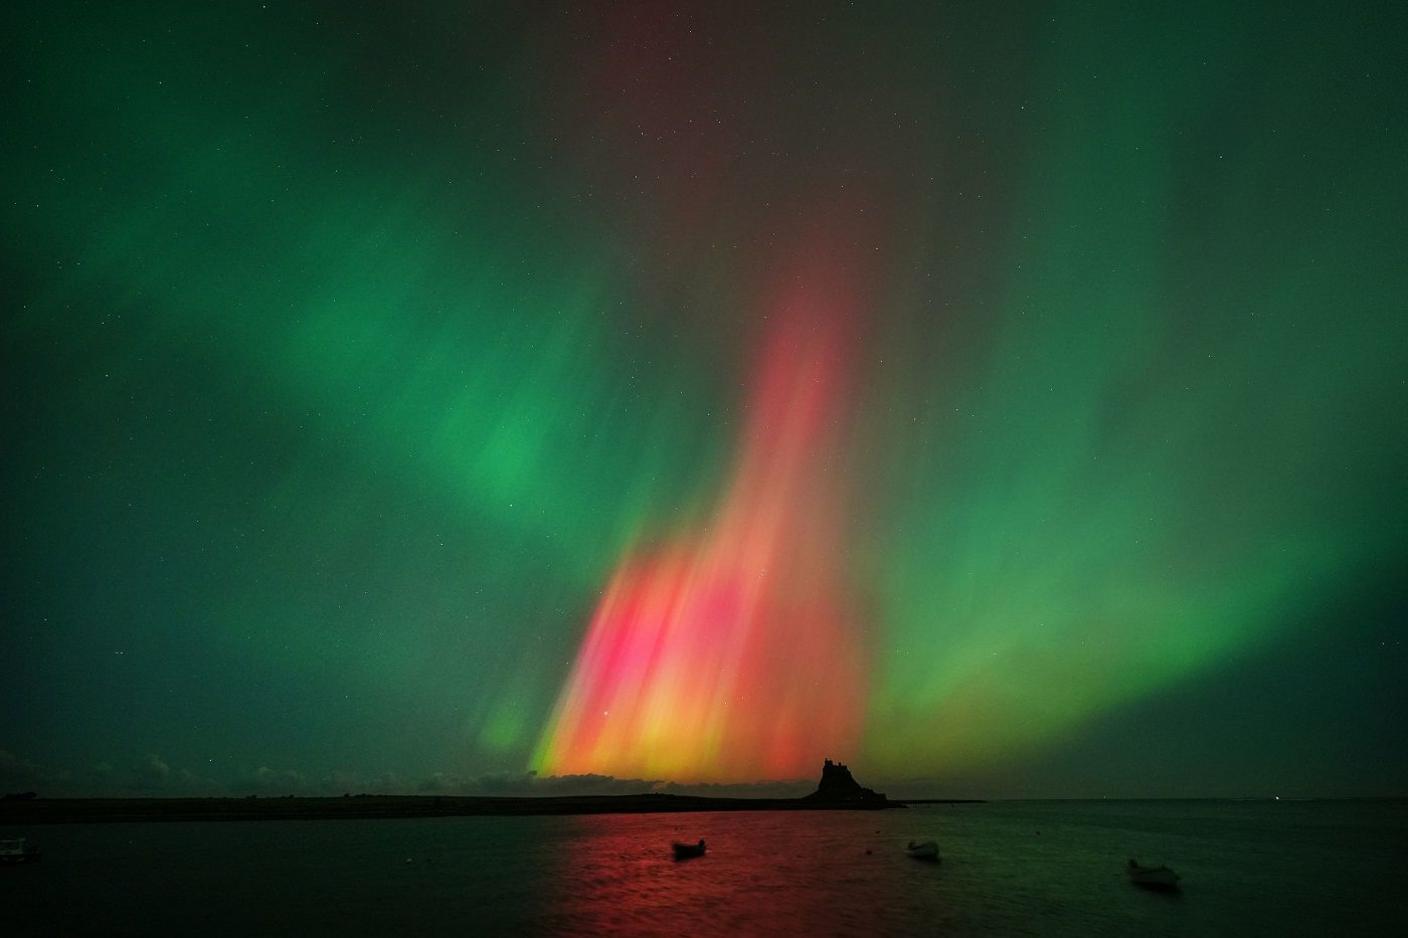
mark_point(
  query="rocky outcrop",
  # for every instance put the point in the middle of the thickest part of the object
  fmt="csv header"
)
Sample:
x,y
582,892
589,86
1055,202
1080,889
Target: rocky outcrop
x,y
838,786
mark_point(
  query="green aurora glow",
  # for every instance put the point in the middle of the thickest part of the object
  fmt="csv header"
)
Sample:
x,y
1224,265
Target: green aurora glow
x,y
349,351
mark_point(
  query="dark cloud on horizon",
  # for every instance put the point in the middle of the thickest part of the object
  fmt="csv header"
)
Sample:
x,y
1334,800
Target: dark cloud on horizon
x,y
18,774
152,775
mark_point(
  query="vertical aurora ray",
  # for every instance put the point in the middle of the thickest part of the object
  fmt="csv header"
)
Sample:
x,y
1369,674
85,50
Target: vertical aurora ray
x,y
729,652
1147,475
463,390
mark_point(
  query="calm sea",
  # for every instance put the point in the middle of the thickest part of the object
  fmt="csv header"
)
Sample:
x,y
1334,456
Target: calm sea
x,y
1015,868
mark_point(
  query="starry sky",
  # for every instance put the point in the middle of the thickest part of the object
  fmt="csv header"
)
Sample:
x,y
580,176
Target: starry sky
x,y
1007,399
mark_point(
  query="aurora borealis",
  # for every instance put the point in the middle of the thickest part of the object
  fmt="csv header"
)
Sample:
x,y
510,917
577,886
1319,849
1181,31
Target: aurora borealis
x,y
728,659
1005,399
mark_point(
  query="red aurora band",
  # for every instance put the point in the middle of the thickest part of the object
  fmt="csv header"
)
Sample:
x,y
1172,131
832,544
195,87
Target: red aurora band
x,y
730,653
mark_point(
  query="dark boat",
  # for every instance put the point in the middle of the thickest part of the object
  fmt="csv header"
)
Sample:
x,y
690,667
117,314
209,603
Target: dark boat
x,y
1152,877
688,851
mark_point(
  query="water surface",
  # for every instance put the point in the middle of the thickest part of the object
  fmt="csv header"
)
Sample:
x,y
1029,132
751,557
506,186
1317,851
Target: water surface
x,y
1036,868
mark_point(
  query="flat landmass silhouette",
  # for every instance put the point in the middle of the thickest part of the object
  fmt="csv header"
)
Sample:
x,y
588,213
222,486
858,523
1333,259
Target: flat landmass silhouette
x,y
837,790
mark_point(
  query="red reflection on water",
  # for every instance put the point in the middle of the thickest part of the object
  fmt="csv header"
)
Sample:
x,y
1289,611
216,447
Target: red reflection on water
x,y
761,875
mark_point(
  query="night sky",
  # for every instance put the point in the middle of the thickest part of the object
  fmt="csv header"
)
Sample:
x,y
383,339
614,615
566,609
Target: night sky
x,y
1003,399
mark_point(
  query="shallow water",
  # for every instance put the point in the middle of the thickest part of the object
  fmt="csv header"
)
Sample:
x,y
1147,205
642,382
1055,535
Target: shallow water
x,y
1008,868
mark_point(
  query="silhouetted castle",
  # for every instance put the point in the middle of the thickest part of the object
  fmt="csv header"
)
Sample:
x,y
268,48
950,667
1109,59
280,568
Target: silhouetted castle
x,y
837,784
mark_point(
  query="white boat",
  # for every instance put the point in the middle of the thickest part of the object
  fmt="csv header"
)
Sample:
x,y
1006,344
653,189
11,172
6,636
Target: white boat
x,y
1152,877
927,850
17,851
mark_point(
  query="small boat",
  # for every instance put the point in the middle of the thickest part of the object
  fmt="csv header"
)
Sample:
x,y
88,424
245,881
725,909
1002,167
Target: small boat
x,y
18,850
927,850
688,851
1152,877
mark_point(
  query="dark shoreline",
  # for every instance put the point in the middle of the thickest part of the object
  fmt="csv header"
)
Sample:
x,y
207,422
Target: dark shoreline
x,y
101,810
